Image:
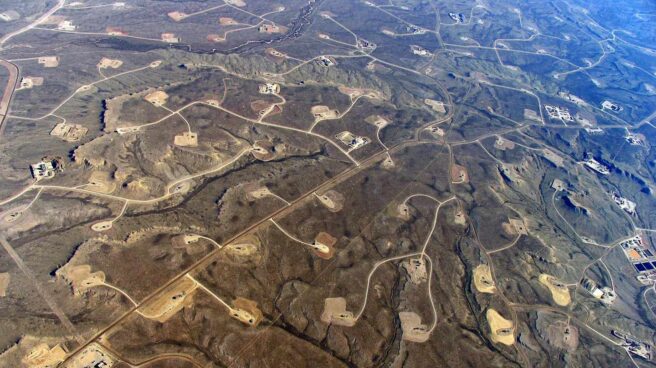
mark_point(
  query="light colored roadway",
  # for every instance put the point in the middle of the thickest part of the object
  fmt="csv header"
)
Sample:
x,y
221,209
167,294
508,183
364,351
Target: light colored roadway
x,y
45,295
148,362
45,15
9,90
290,236
168,193
210,292
402,68
415,254
84,88
203,262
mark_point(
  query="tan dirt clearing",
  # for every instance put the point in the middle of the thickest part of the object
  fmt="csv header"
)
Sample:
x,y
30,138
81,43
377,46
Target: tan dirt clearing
x,y
322,112
327,240
437,106
5,277
81,278
416,268
49,61
43,356
246,311
69,132
177,15
157,98
459,174
109,63
559,292
101,182
501,329
333,200
186,139
412,328
170,301
334,312
483,279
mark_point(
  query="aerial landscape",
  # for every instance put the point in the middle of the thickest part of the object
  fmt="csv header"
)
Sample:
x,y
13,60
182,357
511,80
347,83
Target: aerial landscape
x,y
327,183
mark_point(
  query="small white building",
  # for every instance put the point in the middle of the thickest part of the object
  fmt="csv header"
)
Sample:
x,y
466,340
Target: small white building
x,y
43,170
625,204
608,295
634,139
596,166
608,105
326,61
559,112
269,88
9,15
418,50
66,25
594,130
170,38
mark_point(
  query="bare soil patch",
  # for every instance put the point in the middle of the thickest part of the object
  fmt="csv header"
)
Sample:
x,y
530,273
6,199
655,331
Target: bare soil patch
x,y
170,301
378,121
109,63
503,144
413,329
559,292
246,311
562,336
327,240
403,211
264,150
81,278
101,182
69,132
177,15
501,329
416,268
186,139
321,112
245,246
157,98
255,191
227,21
334,312
259,105
42,356
213,37
102,226
239,3
5,277
437,106
459,174
49,61
459,217
190,242
517,226
333,200
388,163
553,157
531,115
115,31
276,55
483,279
271,28
357,92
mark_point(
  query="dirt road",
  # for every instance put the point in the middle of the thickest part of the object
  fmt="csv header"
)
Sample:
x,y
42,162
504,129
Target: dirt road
x,y
47,297
8,92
